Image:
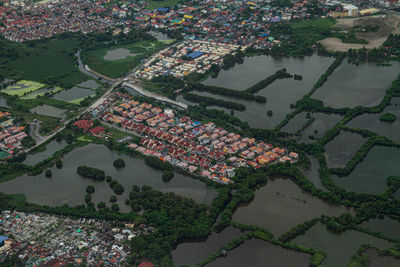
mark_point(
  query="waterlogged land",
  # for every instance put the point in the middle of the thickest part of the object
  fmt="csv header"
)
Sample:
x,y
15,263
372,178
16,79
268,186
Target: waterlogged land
x,y
320,125
67,187
280,205
256,68
351,85
51,148
259,253
339,248
387,226
377,260
371,174
74,94
313,173
49,111
371,122
193,251
342,149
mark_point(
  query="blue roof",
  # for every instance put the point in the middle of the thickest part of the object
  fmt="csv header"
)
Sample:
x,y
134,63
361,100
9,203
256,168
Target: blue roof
x,y
163,9
3,238
195,54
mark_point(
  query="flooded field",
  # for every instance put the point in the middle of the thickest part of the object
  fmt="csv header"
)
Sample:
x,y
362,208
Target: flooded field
x,y
371,122
3,103
119,53
370,175
91,84
313,173
259,67
386,226
342,148
351,85
51,148
49,111
73,93
339,248
280,205
258,253
194,251
67,187
381,261
321,124
296,123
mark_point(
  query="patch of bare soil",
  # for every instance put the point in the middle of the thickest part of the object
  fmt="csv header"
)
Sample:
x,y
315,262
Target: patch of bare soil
x,y
387,24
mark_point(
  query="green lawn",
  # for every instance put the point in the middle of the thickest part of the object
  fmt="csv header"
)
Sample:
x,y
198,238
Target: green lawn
x,y
22,88
163,3
34,95
117,68
46,61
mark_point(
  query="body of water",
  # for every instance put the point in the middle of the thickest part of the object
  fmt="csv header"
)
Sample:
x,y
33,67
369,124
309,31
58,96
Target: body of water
x,y
51,148
351,85
91,84
321,124
67,187
381,261
296,123
370,176
49,111
280,94
313,173
342,148
386,226
338,247
280,205
258,253
371,122
194,251
73,94
3,103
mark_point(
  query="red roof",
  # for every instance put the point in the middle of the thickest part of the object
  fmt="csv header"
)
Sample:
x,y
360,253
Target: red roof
x,y
146,264
97,130
84,124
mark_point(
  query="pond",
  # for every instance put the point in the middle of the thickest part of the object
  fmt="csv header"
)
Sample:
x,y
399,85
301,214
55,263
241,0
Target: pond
x,y
51,148
321,124
370,176
280,205
313,173
91,84
73,93
280,94
342,148
351,85
196,250
255,252
296,123
67,187
339,248
3,103
49,111
38,92
386,226
377,260
119,53
371,122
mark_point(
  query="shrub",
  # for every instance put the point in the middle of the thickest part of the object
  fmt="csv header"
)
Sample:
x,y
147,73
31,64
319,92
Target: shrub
x,y
167,176
388,117
119,163
90,189
48,173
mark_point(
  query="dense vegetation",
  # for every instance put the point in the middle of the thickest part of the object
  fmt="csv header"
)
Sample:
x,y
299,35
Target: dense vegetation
x,y
209,101
279,74
89,172
119,163
388,117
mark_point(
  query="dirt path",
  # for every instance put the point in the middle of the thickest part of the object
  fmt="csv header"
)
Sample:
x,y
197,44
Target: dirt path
x,y
387,24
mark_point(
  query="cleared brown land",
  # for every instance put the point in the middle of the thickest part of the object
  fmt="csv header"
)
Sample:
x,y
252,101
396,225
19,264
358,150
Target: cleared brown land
x,y
387,24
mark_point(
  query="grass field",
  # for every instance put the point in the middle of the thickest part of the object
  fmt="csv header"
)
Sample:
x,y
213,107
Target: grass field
x,y
315,29
47,61
22,88
164,3
116,68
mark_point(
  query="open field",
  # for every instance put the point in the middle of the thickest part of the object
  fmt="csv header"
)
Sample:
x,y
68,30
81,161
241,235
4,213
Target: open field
x,y
387,25
22,88
116,68
163,3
